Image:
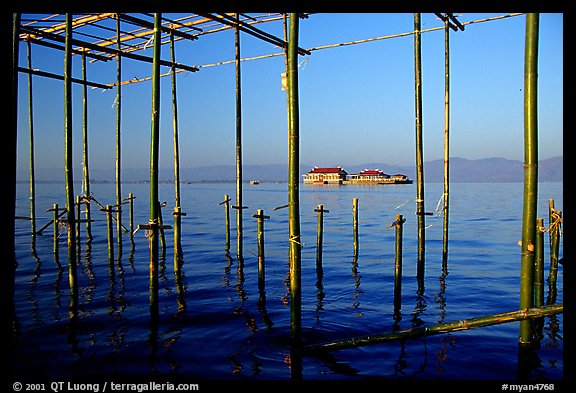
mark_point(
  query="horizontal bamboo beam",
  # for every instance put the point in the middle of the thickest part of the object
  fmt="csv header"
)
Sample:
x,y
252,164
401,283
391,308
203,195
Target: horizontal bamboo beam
x,y
441,328
74,51
60,77
144,23
113,51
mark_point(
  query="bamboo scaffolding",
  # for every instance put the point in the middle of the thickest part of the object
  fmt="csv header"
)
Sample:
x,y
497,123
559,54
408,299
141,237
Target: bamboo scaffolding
x,y
419,154
441,328
293,182
530,174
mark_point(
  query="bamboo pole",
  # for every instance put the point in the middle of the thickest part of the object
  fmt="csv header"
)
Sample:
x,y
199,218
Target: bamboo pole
x,y
293,182
238,143
31,146
177,210
554,228
446,138
441,328
68,161
110,234
419,155
355,225
55,228
85,167
154,152
530,173
118,137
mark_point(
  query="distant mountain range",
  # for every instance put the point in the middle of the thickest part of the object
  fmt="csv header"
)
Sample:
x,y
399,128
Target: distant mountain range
x,y
461,171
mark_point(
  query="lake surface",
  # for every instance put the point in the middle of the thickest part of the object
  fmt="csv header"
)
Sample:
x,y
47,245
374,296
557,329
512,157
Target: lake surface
x,y
218,325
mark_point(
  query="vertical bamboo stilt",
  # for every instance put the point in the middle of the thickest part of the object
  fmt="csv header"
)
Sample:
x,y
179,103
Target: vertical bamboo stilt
x,y
293,182
85,168
177,211
530,174
131,218
154,152
68,173
110,234
419,155
355,225
446,139
31,147
238,142
118,138
55,229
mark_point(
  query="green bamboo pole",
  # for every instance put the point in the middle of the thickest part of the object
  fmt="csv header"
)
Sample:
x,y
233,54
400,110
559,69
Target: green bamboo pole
x,y
530,173
31,123
85,167
110,234
238,142
177,211
446,139
293,182
68,161
55,228
419,154
118,137
355,225
554,225
154,152
441,328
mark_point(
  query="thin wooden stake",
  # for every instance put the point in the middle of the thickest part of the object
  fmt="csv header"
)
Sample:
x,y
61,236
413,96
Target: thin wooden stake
x,y
31,147
118,136
355,225
260,236
539,264
226,204
238,143
85,167
398,265
319,238
446,138
554,230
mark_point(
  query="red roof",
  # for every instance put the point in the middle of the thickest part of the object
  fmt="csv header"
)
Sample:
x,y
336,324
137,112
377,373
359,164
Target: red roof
x,y
372,172
327,170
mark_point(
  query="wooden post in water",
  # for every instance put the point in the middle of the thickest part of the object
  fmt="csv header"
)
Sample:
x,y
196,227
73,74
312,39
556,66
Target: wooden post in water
x,y
154,152
226,203
355,225
293,183
110,233
131,217
55,228
398,265
539,264
31,147
554,227
320,229
85,168
530,174
68,173
118,138
260,236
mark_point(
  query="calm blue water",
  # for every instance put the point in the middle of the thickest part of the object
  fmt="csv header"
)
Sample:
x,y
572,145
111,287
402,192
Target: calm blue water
x,y
218,326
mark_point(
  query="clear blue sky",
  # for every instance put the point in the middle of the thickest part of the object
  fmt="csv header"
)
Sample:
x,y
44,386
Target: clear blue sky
x,y
356,102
